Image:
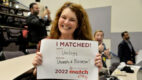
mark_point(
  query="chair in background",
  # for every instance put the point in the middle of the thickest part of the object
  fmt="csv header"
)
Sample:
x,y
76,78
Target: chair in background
x,y
4,55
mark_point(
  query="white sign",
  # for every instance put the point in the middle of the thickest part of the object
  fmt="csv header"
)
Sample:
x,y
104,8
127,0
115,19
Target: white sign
x,y
68,59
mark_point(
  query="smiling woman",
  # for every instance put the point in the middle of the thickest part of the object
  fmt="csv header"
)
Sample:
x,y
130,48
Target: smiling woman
x,y
70,23
67,22
73,21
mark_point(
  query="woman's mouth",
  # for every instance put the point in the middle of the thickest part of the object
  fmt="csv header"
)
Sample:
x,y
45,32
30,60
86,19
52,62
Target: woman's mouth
x,y
66,27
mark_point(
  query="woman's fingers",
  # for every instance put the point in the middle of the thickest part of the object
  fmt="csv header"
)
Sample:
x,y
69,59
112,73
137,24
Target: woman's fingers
x,y
98,61
37,59
99,64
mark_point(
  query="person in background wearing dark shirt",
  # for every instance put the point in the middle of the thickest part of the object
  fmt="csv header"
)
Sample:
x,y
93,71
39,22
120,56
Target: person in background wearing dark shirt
x,y
126,51
36,25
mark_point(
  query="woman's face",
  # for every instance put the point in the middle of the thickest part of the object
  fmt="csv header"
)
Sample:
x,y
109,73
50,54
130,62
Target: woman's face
x,y
67,23
99,37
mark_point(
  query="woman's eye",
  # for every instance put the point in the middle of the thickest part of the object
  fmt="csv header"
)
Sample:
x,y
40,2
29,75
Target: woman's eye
x,y
72,19
63,17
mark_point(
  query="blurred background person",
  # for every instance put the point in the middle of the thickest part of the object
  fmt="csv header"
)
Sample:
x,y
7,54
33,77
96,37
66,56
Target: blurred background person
x,y
126,51
99,36
36,26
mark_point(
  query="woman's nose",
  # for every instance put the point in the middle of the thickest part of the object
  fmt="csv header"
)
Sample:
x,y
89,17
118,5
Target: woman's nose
x,y
66,21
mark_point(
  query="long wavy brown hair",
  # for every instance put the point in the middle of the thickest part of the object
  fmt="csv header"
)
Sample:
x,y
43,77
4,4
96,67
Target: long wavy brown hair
x,y
83,31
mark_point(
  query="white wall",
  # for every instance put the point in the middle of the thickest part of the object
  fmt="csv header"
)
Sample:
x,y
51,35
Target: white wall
x,y
55,4
126,15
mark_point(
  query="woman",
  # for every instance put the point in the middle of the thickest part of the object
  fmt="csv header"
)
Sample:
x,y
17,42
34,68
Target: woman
x,y
71,23
98,36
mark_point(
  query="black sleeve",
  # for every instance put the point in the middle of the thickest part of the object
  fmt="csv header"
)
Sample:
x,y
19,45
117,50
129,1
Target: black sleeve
x,y
32,20
47,22
120,53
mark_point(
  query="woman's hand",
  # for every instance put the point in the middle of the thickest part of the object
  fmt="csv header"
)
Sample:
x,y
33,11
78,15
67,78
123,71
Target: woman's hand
x,y
37,59
98,61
